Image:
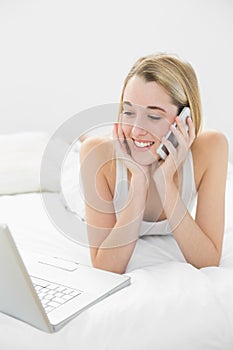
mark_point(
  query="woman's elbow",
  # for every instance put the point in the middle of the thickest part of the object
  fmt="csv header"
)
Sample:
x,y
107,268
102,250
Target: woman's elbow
x,y
211,262
110,268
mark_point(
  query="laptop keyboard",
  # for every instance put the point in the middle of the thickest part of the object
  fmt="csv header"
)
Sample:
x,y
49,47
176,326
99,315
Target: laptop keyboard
x,y
53,295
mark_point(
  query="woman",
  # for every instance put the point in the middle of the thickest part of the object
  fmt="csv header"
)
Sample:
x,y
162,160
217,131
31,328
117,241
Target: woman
x,y
155,193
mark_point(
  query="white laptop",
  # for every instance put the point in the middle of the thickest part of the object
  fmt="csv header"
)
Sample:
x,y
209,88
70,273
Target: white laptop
x,y
56,290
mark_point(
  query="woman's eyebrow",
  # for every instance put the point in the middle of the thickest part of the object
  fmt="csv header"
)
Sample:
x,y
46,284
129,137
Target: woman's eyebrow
x,y
148,107
127,103
156,107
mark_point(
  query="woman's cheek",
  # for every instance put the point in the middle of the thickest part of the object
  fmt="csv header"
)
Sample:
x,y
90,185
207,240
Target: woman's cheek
x,y
160,133
126,130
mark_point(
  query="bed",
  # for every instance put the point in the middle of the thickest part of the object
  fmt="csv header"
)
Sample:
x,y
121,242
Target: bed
x,y
169,304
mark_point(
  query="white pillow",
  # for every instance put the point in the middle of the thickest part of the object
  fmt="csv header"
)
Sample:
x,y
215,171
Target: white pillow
x,y
20,160
71,184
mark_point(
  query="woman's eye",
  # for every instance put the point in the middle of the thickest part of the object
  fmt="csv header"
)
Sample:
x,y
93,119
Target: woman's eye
x,y
127,113
154,117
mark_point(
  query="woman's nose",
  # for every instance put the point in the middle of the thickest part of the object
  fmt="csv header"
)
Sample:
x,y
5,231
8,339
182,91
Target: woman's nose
x,y
139,126
138,130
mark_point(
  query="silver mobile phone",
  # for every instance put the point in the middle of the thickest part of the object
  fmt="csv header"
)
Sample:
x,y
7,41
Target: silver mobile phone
x,y
162,150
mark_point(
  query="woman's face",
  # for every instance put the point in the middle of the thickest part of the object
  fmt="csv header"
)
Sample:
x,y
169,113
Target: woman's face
x,y
146,117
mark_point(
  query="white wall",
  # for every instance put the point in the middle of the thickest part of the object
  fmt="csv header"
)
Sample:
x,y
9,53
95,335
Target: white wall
x,y
59,57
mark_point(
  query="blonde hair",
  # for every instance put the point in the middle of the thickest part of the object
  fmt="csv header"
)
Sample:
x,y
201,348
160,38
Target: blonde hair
x,y
176,76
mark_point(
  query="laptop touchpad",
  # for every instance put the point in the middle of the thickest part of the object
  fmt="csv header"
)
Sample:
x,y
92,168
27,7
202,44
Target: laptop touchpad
x,y
59,263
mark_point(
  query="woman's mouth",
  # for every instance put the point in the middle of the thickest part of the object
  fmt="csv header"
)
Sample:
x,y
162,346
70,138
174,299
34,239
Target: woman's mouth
x,y
141,145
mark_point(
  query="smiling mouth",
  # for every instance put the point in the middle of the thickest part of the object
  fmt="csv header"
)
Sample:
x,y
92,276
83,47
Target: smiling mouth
x,y
143,144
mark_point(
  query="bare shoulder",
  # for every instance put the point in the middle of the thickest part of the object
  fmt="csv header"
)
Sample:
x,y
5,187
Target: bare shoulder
x,y
209,145
209,149
97,164
100,147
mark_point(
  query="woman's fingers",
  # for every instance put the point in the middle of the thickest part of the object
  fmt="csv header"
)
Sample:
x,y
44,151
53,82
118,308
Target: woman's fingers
x,y
120,139
116,138
182,139
191,130
188,135
169,145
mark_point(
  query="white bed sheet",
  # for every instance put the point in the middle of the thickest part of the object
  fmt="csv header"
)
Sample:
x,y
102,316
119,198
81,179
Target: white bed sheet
x,y
169,304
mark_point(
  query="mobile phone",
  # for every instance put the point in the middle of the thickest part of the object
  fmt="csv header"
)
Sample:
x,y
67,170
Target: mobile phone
x,y
162,150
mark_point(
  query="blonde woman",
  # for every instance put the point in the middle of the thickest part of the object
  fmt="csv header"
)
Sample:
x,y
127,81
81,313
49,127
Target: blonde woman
x,y
131,191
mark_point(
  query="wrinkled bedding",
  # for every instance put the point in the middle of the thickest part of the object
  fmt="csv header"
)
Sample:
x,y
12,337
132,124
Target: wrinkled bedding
x,y
169,304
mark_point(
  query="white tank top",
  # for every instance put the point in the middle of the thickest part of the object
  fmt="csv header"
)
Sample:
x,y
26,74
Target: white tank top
x,y
188,194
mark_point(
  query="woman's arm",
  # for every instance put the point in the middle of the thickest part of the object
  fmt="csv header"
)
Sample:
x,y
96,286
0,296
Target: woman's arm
x,y
111,241
200,240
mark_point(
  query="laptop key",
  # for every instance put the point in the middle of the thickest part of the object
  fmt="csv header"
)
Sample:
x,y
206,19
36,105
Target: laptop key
x,y
49,308
67,297
55,305
53,295
59,300
39,282
74,293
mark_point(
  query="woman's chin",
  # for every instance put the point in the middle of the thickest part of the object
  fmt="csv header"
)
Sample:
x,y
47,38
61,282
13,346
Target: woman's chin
x,y
145,158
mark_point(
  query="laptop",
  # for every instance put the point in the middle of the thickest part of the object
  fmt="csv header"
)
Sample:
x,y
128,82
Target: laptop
x,y
55,291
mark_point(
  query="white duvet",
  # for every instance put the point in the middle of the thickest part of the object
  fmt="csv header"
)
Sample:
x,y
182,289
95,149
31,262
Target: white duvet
x,y
169,304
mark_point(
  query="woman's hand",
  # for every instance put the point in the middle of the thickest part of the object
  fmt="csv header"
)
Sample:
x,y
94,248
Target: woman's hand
x,y
177,156
142,172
